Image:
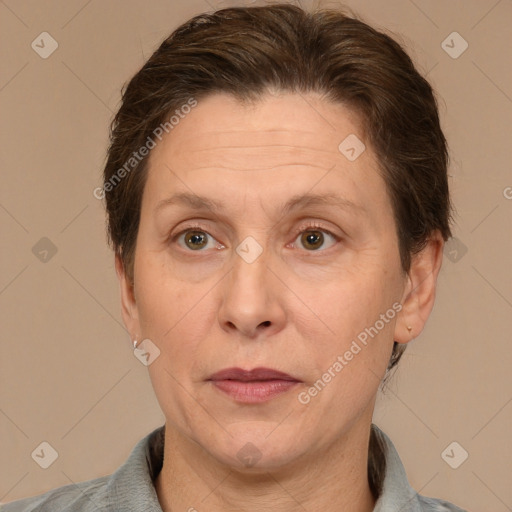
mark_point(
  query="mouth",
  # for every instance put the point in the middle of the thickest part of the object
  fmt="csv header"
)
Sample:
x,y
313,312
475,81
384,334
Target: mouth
x,y
252,386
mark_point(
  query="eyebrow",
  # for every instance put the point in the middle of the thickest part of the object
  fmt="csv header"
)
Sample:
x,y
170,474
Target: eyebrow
x,y
296,202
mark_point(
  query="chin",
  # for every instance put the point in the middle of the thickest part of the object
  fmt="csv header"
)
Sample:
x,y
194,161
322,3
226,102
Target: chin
x,y
256,450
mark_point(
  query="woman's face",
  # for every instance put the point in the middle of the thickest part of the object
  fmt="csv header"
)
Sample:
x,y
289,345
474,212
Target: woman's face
x,y
271,277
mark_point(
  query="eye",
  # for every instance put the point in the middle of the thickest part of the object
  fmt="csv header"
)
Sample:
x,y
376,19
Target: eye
x,y
195,239
312,237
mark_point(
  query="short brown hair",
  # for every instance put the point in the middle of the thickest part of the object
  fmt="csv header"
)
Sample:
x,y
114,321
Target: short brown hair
x,y
247,51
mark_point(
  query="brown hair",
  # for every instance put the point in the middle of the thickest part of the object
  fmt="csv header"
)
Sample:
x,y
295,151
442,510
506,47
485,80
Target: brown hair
x,y
249,51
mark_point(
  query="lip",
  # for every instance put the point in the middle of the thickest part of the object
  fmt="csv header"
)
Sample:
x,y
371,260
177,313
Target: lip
x,y
258,374
252,386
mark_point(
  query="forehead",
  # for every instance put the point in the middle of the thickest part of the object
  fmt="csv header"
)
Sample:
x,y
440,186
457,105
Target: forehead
x,y
277,130
283,145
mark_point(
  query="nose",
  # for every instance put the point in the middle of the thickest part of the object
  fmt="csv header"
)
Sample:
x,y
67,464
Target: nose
x,y
253,298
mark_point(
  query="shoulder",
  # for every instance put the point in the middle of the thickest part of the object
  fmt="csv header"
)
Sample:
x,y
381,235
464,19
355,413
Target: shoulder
x,y
86,496
129,489
435,505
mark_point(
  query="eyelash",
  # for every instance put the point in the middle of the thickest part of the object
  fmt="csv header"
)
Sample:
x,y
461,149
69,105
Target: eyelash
x,y
302,229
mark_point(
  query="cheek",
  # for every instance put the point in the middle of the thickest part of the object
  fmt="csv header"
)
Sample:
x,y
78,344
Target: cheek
x,y
342,302
348,352
168,307
349,330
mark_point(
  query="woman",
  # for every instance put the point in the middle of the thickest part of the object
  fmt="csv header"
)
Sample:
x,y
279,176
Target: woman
x,y
277,199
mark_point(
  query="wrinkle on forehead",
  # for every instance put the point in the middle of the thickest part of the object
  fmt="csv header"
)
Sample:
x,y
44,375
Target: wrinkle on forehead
x,y
257,159
256,150
278,130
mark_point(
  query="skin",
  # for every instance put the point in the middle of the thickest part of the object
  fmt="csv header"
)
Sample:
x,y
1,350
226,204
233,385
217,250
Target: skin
x,y
295,308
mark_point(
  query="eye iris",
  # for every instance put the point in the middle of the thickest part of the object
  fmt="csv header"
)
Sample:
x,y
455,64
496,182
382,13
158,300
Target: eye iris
x,y
194,238
312,238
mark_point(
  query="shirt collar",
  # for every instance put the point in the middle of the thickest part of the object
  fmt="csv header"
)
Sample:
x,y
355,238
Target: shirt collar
x,y
397,494
131,488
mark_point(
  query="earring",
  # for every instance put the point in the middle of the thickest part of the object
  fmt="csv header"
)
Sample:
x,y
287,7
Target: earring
x,y
409,328
135,344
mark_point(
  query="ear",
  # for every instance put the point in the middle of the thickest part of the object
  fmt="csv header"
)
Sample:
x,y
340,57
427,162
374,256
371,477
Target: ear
x,y
420,290
128,303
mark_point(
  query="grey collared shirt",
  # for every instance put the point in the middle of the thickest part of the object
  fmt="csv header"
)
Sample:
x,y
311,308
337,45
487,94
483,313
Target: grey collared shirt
x,y
131,489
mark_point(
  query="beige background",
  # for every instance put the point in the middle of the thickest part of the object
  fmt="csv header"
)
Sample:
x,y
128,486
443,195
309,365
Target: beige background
x,y
67,372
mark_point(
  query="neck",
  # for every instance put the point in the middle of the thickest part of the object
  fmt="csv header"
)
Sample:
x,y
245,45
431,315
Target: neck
x,y
334,480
